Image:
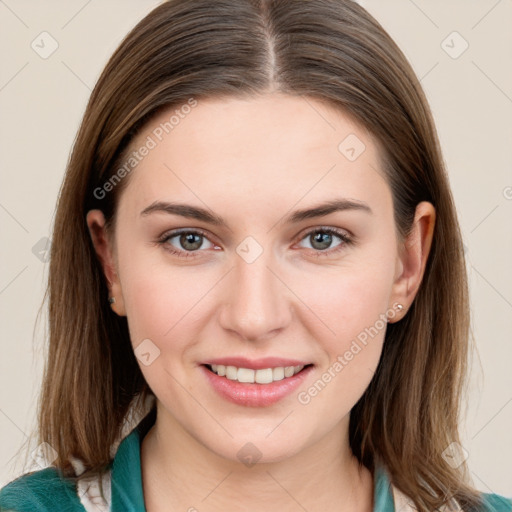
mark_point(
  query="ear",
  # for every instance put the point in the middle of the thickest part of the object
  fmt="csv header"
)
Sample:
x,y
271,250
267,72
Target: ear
x,y
104,248
412,257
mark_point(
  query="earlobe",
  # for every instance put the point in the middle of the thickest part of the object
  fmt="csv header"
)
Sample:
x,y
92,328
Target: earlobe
x,y
103,247
413,255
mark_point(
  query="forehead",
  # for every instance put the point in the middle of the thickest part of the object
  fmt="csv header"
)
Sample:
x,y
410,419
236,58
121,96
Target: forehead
x,y
256,150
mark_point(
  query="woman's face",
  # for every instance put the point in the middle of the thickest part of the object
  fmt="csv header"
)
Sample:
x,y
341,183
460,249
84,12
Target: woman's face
x,y
263,281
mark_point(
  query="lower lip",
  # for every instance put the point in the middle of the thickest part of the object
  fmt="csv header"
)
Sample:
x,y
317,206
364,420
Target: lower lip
x,y
255,395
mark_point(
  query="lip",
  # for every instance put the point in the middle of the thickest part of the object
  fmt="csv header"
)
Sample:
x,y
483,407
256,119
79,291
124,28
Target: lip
x,y
254,395
256,364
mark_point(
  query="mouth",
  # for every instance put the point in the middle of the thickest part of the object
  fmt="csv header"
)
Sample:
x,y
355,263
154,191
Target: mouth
x,y
252,387
259,376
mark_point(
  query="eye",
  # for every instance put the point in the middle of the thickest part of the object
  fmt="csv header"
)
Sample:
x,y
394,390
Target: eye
x,y
185,242
321,240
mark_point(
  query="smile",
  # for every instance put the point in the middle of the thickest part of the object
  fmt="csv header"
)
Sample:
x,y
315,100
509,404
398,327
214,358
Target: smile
x,y
250,376
251,387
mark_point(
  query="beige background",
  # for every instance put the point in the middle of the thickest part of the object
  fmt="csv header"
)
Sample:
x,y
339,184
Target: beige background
x,y
41,103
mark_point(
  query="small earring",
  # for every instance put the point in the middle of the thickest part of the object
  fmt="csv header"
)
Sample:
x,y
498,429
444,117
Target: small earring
x,y
399,307
112,300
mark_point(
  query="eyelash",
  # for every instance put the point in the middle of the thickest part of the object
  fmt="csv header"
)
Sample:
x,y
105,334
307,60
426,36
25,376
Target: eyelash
x,y
345,239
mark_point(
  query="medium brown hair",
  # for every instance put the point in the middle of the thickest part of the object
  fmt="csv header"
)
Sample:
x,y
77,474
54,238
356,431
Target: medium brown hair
x,y
329,50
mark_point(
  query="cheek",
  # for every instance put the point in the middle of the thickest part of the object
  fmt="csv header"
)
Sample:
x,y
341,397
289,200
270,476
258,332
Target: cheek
x,y
162,306
354,310
160,299
352,302
347,300
159,306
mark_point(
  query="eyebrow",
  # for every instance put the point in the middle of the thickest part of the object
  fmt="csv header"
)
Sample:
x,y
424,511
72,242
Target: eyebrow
x,y
204,215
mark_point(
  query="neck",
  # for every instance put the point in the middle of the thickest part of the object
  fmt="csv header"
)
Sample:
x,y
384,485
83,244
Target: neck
x,y
180,473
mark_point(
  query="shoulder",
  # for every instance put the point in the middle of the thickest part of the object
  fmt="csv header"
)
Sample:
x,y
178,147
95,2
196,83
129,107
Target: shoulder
x,y
496,503
44,490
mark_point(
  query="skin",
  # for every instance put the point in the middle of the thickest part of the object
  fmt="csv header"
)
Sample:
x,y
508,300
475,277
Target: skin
x,y
252,162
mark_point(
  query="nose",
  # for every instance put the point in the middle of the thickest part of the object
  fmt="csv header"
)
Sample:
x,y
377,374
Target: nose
x,y
257,304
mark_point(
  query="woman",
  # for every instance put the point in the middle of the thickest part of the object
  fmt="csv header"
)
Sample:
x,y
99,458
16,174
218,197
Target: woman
x,y
257,291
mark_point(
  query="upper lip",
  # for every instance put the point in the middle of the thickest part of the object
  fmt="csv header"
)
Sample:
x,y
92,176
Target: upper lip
x,y
256,364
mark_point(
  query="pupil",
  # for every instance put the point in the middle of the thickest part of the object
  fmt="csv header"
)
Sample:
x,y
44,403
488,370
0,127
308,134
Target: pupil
x,y
323,238
189,239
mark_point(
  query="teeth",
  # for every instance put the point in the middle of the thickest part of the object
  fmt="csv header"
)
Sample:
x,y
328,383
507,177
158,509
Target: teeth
x,y
231,372
262,376
278,373
245,375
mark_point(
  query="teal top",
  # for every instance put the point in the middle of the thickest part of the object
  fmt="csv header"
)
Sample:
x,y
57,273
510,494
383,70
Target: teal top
x,y
46,491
